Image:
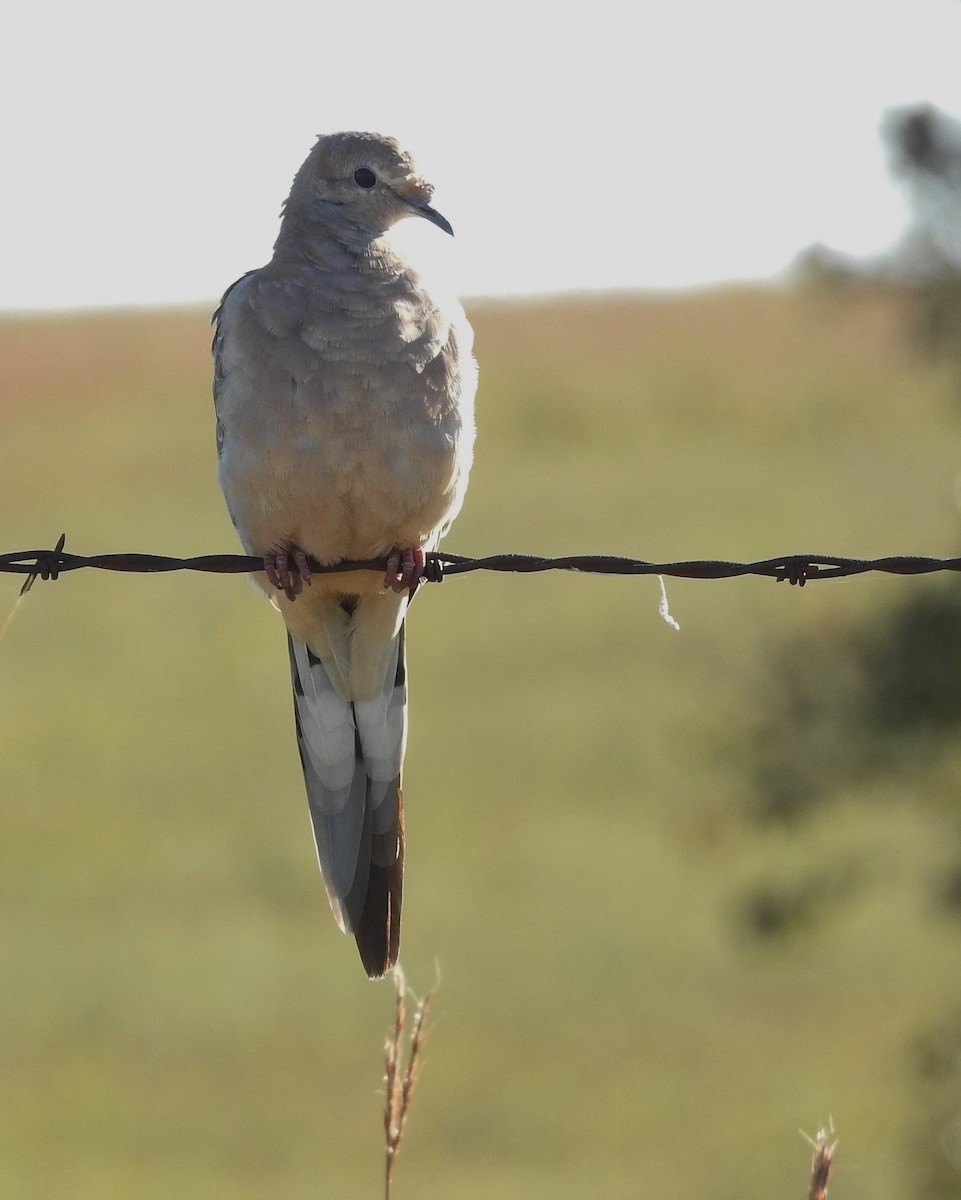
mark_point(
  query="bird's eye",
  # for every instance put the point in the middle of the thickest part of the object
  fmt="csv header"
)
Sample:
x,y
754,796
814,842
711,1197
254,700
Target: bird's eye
x,y
364,177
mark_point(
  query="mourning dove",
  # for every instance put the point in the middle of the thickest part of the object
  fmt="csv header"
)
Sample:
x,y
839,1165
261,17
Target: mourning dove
x,y
344,396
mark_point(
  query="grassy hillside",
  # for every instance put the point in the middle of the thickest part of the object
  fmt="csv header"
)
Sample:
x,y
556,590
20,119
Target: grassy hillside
x,y
180,1016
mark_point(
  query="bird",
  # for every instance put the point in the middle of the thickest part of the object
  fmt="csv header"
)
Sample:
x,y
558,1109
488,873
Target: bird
x,y
344,391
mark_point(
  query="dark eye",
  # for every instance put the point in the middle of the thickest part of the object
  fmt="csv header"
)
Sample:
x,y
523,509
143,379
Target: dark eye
x,y
364,177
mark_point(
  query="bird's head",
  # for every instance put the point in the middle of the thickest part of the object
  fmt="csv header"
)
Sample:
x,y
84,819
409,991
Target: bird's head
x,y
367,178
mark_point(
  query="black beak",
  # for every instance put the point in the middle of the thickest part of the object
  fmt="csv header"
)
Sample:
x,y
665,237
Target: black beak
x,y
424,210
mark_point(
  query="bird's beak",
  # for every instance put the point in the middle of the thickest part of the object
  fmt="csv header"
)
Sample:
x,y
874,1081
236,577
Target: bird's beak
x,y
420,209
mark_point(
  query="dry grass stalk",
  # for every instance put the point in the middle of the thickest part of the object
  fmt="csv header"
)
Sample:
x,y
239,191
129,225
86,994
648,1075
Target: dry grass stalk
x,y
824,1145
400,1073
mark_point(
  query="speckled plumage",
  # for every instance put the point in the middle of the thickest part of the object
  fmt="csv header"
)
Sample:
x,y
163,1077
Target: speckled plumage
x,y
344,396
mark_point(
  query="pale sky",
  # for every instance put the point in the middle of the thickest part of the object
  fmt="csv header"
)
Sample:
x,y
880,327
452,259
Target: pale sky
x,y
617,143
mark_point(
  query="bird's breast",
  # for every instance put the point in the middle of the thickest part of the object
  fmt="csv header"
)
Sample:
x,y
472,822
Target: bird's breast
x,y
343,436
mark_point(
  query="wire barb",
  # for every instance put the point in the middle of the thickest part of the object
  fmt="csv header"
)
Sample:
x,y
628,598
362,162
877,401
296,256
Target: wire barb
x,y
47,565
797,569
797,572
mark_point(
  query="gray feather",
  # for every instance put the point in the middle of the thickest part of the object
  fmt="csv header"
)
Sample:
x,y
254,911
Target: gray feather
x,y
351,752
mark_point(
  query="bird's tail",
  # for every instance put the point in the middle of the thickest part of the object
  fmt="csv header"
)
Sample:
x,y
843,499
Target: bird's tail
x,y
351,752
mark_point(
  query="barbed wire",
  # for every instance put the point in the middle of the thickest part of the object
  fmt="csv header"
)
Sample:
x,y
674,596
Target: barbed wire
x,y
797,569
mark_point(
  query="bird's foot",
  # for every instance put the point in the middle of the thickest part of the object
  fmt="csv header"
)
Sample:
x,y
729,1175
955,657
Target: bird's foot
x,y
288,570
405,568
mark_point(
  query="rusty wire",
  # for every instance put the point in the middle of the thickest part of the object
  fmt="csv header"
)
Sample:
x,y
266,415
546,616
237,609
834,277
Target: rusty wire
x,y
797,569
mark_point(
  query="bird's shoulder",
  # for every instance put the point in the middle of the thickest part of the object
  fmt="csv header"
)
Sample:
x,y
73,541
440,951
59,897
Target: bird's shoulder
x,y
339,310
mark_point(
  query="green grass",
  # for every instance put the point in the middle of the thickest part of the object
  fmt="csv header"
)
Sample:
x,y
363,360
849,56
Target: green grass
x,y
180,1017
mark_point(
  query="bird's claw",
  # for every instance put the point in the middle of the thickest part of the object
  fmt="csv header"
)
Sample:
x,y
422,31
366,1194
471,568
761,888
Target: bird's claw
x,y
405,568
288,570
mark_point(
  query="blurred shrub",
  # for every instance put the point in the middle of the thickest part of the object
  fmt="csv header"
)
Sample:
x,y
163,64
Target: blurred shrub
x,y
789,905
911,666
924,152
810,736
933,1156
851,712
857,703
924,156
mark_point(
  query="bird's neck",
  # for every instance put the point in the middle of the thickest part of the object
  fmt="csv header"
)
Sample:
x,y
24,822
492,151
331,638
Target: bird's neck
x,y
327,238
342,259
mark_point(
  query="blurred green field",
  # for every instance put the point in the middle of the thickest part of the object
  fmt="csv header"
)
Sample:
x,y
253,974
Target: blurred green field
x,y
180,1016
